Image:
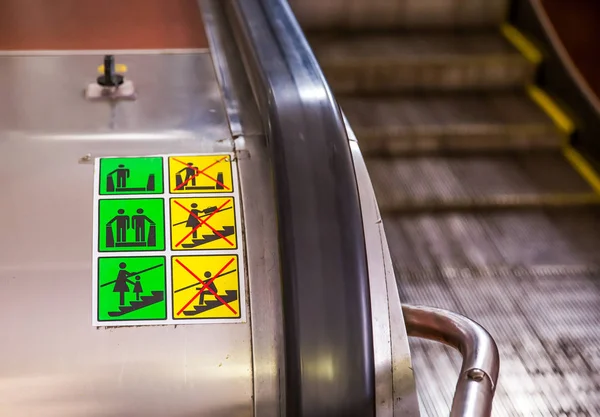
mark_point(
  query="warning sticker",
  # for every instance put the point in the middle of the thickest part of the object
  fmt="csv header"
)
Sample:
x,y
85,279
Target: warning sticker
x,y
132,288
131,176
168,245
200,174
203,223
206,287
131,225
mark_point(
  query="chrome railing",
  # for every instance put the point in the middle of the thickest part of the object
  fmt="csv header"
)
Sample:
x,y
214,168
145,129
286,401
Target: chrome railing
x,y
479,372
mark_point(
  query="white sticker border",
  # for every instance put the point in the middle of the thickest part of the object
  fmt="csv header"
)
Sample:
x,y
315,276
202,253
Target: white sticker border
x,y
168,253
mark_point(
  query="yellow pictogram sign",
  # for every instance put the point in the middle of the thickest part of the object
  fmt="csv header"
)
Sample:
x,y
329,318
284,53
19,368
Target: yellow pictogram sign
x,y
200,174
200,223
206,287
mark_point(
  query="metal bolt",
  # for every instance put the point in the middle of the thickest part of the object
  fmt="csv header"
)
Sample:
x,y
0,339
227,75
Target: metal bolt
x,y
85,158
476,375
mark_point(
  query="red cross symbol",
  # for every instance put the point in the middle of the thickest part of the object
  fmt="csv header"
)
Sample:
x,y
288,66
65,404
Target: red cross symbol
x,y
201,172
202,222
206,286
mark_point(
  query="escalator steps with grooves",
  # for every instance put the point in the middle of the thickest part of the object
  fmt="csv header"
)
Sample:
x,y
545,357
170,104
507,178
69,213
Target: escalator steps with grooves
x,y
549,358
504,239
419,123
532,279
477,181
483,214
400,14
440,62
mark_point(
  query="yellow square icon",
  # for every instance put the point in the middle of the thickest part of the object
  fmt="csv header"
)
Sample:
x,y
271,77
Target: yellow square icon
x,y
206,287
200,174
201,223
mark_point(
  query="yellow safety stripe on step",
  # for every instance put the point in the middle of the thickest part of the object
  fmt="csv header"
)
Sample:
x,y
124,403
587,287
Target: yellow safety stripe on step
x,y
533,54
553,110
523,45
583,167
567,127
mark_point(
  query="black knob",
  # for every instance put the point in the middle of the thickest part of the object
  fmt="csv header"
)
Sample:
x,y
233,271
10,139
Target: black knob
x,y
110,78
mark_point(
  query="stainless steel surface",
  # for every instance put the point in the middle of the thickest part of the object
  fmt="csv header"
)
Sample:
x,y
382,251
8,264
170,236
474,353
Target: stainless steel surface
x,y
46,97
405,14
243,115
383,63
394,380
52,361
480,365
261,223
264,277
442,123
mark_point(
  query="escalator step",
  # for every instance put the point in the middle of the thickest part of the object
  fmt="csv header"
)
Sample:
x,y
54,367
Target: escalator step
x,y
399,14
477,182
545,325
430,123
531,278
532,238
419,62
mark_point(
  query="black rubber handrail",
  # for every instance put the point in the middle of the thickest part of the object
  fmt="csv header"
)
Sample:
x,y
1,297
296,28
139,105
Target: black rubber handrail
x,y
329,366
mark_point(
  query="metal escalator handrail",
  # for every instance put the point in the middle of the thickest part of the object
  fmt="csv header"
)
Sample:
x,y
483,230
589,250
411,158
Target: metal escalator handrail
x,y
480,367
329,362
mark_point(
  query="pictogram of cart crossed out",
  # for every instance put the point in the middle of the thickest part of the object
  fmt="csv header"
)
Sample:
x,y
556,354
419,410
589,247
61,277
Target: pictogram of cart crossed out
x,y
202,222
201,172
206,286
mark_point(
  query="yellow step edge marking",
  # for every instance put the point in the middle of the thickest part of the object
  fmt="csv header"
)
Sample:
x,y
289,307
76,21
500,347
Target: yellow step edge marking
x,y
583,167
558,116
520,41
551,108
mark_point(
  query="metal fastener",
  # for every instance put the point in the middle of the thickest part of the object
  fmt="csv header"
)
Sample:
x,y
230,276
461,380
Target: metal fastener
x,y
476,375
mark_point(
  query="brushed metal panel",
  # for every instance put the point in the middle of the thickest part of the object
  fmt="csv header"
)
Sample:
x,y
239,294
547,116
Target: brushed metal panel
x,y
52,361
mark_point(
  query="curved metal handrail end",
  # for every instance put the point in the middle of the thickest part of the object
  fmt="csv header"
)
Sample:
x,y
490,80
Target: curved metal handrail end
x,y
481,362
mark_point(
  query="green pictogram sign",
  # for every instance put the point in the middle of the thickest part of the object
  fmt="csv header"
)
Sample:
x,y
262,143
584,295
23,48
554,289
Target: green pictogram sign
x,y
131,176
132,288
131,225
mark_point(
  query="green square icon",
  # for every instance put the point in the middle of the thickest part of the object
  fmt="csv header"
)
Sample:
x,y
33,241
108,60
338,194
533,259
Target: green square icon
x,y
142,175
131,288
135,224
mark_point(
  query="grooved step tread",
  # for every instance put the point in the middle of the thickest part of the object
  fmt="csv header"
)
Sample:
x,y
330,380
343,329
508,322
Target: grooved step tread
x,y
384,63
532,280
514,238
477,181
449,123
399,14
547,334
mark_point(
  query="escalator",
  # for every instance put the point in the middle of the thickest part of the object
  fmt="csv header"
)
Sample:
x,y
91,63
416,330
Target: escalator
x,y
483,213
487,212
